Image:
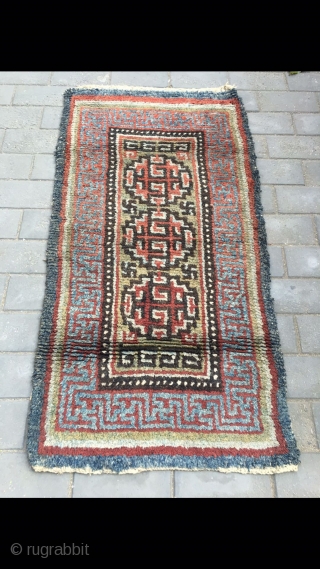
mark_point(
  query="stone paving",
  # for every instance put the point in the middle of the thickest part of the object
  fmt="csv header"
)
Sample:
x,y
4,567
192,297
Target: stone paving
x,y
285,121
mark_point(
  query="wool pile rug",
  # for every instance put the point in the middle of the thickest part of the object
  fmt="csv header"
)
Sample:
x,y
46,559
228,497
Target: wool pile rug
x,y
158,344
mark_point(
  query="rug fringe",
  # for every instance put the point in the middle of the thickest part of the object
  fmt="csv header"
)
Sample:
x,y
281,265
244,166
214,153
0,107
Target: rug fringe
x,y
225,87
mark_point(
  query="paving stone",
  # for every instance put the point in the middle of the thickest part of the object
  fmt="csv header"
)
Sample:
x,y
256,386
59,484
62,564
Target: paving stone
x,y
6,92
302,484
267,198
35,224
302,425
15,374
34,95
298,199
307,123
3,282
276,262
198,79
29,194
280,171
312,172
30,140
249,99
18,480
260,146
19,117
9,222
316,416
13,415
296,295
25,292
259,80
140,78
51,117
24,77
44,167
288,101
270,123
303,261
318,226
144,485
294,146
303,376
287,334
309,330
22,256
19,331
293,229
74,78
208,484
15,166
307,81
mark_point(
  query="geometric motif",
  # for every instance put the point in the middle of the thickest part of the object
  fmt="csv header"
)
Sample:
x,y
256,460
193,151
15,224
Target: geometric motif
x,y
158,344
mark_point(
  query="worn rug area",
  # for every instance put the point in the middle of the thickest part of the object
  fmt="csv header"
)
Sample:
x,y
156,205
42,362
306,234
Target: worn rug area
x,y
158,344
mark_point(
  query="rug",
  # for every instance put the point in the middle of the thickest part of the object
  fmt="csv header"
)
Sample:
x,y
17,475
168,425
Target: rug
x,y
158,344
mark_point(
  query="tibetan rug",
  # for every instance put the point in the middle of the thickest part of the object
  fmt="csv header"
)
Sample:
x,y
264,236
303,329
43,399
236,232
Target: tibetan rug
x,y
158,344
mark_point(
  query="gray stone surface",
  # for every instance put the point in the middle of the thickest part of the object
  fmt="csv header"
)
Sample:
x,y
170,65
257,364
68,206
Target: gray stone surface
x,y
268,199
316,416
270,123
293,146
44,167
280,171
298,199
143,485
303,425
15,166
276,263
307,123
15,374
20,117
13,416
25,77
259,80
221,485
302,484
290,229
303,261
6,92
34,95
9,223
22,256
35,224
287,334
25,194
28,140
18,480
260,146
318,226
75,78
51,117
312,172
307,81
288,101
309,330
25,292
198,79
249,99
296,295
19,331
140,78
303,376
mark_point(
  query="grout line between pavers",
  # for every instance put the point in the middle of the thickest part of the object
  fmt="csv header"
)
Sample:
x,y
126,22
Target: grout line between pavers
x,y
50,77
71,485
284,262
110,78
273,486
4,295
13,94
32,166
298,339
172,484
41,119
314,425
19,225
169,79
17,450
315,231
